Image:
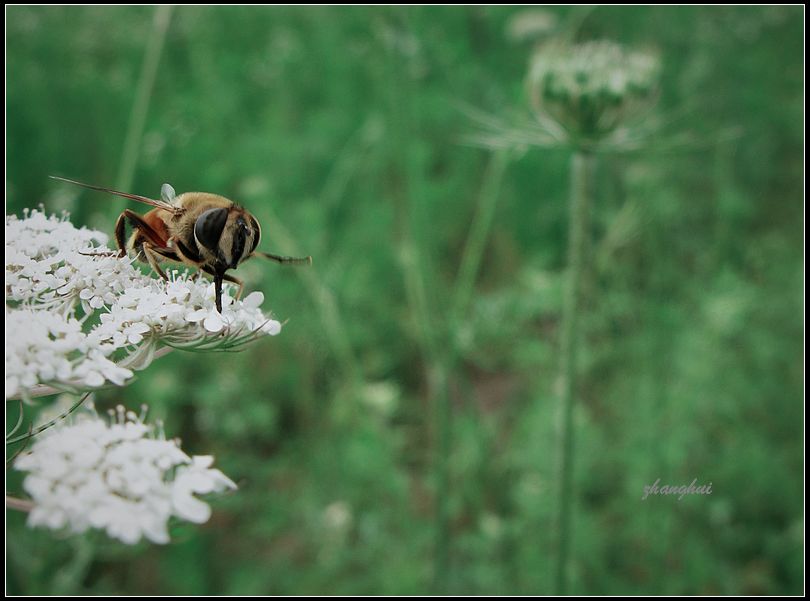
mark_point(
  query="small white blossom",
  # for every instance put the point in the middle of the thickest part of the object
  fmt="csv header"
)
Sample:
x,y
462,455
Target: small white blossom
x,y
121,477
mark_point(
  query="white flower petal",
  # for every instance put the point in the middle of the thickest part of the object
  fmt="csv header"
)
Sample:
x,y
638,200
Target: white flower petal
x,y
253,300
190,509
214,322
272,327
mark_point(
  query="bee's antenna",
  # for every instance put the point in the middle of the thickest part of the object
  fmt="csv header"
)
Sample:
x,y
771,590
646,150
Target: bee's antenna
x,y
155,203
287,260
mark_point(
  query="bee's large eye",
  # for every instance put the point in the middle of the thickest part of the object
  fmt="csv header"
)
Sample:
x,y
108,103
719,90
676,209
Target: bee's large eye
x,y
209,226
239,235
257,233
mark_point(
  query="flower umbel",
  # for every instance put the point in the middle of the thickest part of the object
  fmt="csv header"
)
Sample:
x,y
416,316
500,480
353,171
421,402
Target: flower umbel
x,y
81,319
589,96
120,476
45,346
592,88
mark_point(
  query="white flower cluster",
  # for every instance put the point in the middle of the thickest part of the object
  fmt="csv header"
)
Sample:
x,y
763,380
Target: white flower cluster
x,y
593,87
44,265
71,307
42,346
122,477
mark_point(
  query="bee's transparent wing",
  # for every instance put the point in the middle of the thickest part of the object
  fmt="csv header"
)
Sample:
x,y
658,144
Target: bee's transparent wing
x,y
167,193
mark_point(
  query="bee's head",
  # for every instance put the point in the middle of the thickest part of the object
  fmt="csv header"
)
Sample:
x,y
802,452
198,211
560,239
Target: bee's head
x,y
229,234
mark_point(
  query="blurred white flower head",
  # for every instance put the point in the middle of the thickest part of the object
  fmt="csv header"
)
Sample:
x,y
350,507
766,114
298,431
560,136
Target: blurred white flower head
x,y
592,88
121,476
78,321
530,24
337,516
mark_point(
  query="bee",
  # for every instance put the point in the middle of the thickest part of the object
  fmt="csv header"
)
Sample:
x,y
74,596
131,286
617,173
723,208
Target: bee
x,y
198,229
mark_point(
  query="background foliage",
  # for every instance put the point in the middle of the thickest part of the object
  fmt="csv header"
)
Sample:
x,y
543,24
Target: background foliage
x,y
341,129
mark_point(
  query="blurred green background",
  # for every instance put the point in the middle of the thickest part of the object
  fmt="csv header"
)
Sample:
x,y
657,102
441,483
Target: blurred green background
x,y
383,443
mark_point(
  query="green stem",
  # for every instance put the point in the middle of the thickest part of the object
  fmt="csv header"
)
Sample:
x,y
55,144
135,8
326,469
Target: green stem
x,y
143,93
441,383
69,579
19,504
477,237
53,422
445,364
581,190
323,298
420,284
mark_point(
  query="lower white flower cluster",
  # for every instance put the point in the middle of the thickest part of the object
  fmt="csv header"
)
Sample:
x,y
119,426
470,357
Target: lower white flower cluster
x,y
70,307
121,476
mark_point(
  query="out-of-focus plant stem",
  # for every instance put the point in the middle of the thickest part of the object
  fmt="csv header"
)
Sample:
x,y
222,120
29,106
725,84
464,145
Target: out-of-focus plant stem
x,y
477,236
72,574
338,338
19,504
143,94
53,422
407,193
581,190
323,298
445,364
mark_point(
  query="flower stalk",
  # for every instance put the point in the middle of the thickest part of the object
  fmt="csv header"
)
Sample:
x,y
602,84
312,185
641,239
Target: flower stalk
x,y
143,96
19,504
581,190
594,96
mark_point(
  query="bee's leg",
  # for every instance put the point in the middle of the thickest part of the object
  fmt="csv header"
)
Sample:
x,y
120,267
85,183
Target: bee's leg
x,y
121,234
107,253
184,254
238,282
227,278
167,253
120,238
152,258
218,277
146,231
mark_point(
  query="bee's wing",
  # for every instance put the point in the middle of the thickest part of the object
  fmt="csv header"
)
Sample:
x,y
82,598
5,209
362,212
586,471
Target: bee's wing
x,y
160,204
167,193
